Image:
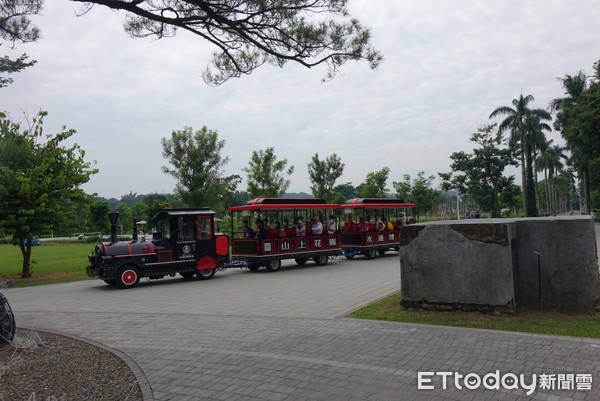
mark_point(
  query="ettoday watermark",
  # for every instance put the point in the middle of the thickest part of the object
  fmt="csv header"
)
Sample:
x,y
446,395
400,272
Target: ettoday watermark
x,y
507,381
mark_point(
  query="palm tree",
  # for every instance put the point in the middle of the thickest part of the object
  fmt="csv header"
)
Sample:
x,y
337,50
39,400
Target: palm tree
x,y
550,161
536,141
575,86
516,123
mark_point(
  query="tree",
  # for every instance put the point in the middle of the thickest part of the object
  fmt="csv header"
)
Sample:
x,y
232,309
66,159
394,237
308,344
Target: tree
x,y
581,133
516,123
250,33
344,192
266,174
99,216
550,162
323,175
374,185
418,191
481,174
15,26
197,166
535,142
40,181
575,86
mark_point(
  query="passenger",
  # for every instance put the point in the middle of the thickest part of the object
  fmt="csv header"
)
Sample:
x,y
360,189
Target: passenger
x,y
289,231
300,227
369,226
388,224
400,221
362,224
349,224
379,224
280,229
317,226
247,232
332,226
260,230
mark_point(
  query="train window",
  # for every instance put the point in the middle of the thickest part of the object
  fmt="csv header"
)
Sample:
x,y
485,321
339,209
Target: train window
x,y
204,227
187,228
163,228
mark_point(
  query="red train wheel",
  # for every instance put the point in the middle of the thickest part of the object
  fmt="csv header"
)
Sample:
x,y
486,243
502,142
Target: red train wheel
x,y
128,277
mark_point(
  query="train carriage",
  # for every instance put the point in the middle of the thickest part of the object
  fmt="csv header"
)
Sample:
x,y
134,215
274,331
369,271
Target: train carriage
x,y
372,225
266,231
184,242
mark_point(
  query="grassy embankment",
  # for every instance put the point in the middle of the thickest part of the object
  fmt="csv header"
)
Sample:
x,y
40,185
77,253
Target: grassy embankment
x,y
52,263
529,321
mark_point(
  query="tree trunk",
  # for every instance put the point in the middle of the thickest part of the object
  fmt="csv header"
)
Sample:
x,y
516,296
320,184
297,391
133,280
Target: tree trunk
x,y
26,251
586,189
523,175
535,180
548,205
529,194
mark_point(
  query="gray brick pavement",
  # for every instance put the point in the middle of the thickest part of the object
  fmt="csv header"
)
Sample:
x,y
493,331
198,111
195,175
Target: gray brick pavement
x,y
246,336
267,358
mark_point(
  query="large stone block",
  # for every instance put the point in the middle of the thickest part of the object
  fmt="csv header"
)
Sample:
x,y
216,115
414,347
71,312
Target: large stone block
x,y
462,264
565,248
492,264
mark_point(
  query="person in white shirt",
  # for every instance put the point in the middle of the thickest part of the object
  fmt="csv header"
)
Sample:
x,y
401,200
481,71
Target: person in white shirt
x,y
317,226
332,226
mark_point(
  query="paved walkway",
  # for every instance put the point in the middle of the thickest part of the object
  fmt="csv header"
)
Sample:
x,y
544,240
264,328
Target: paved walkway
x,y
275,336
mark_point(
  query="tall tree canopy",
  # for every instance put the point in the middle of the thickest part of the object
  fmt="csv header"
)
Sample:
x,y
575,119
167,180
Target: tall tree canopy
x,y
581,130
250,33
16,26
374,185
197,165
575,129
522,122
481,173
323,174
40,181
418,191
267,175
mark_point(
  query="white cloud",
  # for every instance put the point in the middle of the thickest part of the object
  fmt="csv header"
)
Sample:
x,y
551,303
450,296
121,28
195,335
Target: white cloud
x,y
447,66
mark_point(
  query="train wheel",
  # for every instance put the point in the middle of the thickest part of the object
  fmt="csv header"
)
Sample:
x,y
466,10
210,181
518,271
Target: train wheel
x,y
273,265
381,252
321,260
187,274
206,274
110,281
128,277
301,261
371,253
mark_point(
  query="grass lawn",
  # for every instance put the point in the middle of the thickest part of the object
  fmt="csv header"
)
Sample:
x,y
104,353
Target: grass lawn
x,y
530,321
51,263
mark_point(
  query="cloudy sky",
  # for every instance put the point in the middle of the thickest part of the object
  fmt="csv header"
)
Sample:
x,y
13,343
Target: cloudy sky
x,y
447,65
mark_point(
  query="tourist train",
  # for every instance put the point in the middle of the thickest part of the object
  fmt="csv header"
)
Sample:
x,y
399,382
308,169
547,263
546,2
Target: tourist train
x,y
262,233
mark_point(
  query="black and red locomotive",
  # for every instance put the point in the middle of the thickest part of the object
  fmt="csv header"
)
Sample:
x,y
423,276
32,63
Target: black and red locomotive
x,y
184,242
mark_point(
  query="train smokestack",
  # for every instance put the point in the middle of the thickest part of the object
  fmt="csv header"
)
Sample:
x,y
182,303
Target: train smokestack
x,y
134,235
113,217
